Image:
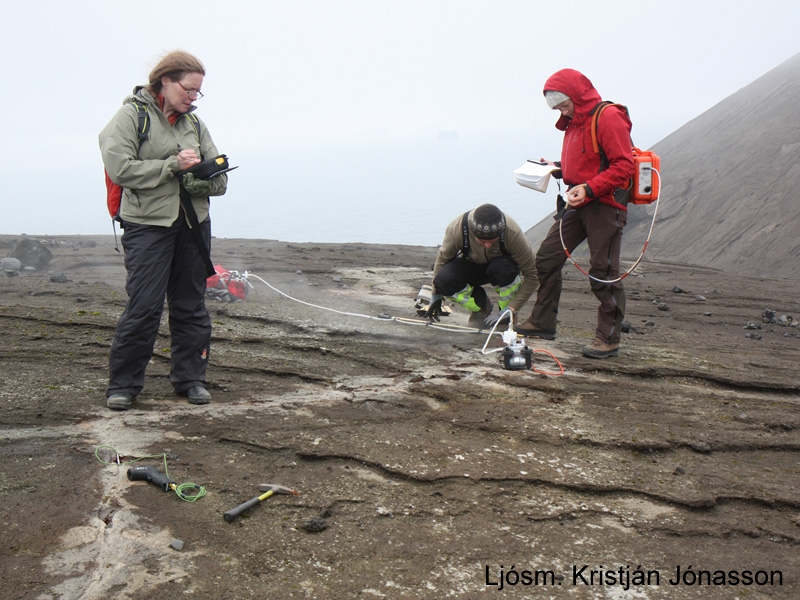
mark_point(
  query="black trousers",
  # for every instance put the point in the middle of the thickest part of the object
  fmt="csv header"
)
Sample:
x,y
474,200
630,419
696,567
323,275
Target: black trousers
x,y
455,275
162,262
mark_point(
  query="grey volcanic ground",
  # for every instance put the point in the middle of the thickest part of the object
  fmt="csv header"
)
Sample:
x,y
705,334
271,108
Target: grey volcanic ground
x,y
431,471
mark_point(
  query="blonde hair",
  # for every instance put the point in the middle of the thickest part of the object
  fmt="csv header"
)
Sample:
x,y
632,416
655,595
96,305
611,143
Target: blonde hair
x,y
173,66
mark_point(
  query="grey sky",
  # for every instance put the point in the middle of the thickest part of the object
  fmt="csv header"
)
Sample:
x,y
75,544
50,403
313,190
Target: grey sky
x,y
316,73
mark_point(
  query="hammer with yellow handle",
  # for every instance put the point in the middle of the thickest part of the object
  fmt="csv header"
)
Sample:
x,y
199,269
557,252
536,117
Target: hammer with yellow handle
x,y
269,489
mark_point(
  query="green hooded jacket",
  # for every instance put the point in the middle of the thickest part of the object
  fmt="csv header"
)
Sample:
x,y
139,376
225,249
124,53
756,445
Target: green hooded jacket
x,y
146,171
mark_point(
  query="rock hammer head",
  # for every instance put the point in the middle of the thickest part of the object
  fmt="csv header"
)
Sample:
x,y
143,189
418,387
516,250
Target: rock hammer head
x,y
277,489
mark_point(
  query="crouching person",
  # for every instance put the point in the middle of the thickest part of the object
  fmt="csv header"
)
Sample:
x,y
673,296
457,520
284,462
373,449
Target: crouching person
x,y
480,247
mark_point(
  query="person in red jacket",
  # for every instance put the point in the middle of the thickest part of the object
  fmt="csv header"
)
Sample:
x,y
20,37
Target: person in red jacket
x,y
594,212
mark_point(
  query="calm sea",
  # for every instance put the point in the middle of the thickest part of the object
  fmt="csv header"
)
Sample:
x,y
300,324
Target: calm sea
x,y
396,194
393,193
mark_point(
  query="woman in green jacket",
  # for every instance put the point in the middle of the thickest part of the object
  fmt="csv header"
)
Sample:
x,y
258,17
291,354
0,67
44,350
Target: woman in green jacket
x,y
164,257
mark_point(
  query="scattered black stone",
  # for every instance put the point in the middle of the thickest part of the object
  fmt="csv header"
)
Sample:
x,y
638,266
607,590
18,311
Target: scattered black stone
x,y
31,253
627,327
663,306
752,325
315,525
677,290
59,278
753,336
769,316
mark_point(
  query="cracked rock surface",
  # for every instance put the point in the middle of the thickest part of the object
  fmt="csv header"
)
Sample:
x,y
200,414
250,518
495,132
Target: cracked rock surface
x,y
436,472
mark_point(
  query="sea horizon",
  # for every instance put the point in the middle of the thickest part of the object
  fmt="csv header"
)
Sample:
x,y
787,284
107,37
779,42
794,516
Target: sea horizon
x,y
386,192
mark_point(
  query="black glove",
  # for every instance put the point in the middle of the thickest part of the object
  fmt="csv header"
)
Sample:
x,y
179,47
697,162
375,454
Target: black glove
x,y
434,310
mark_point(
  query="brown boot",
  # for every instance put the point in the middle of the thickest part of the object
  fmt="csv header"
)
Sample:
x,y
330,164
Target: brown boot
x,y
528,330
599,349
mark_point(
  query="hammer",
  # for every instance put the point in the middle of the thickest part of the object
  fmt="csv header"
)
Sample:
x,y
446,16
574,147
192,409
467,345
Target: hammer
x,y
268,489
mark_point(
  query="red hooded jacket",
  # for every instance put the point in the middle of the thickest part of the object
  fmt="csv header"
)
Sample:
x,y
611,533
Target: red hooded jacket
x,y
579,162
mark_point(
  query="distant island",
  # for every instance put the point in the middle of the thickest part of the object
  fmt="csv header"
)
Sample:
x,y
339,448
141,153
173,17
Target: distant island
x,y
448,136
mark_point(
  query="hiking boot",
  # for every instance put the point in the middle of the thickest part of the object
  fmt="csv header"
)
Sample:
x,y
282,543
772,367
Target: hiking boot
x,y
120,401
197,394
599,349
482,300
529,331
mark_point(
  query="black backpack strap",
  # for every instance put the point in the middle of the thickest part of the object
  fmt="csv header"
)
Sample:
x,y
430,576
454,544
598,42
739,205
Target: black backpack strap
x,y
503,243
192,118
142,133
465,235
186,204
191,215
143,124
188,208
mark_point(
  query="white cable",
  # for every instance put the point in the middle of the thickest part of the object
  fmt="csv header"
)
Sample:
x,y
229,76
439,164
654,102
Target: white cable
x,y
444,327
349,314
509,335
491,333
644,248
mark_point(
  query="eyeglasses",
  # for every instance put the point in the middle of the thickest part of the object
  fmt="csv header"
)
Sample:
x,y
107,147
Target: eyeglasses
x,y
193,94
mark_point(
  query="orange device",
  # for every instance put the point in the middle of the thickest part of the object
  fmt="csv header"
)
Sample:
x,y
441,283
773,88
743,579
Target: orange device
x,y
646,185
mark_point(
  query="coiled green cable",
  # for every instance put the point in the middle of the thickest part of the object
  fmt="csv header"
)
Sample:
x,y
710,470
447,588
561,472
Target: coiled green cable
x,y
180,490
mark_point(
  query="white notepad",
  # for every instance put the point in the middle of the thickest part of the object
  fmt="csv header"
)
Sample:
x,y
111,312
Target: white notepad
x,y
534,175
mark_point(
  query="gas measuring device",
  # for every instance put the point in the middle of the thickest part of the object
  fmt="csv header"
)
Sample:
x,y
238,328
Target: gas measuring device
x,y
516,355
645,188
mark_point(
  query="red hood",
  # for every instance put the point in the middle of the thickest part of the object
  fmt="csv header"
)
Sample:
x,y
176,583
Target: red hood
x,y
579,89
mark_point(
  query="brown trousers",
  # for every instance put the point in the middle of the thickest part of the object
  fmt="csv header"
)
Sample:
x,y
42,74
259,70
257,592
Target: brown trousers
x,y
602,226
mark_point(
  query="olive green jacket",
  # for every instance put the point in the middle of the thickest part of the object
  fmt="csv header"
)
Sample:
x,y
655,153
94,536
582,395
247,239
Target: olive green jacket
x,y
147,171
516,244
